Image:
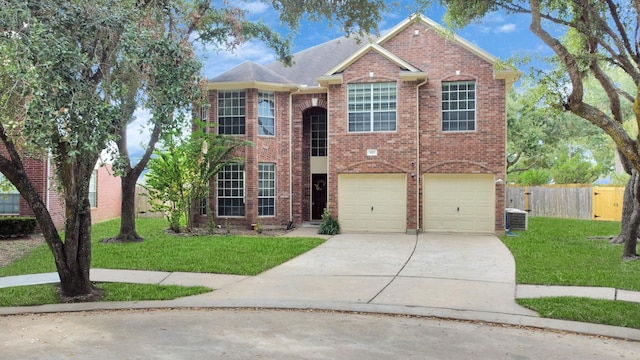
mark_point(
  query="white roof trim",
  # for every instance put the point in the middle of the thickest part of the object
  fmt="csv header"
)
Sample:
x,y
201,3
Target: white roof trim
x,y
261,85
364,50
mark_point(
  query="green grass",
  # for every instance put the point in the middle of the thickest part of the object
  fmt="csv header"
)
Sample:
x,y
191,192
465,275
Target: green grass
x,y
239,255
47,293
559,252
616,313
563,252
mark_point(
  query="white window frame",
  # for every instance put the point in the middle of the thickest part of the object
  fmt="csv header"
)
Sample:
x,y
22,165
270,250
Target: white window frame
x,y
372,107
459,104
93,189
266,189
231,187
266,113
319,135
232,112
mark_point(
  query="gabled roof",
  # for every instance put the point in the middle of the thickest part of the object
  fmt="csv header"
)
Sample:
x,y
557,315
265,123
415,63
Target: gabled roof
x,y
248,73
510,76
365,50
325,62
315,61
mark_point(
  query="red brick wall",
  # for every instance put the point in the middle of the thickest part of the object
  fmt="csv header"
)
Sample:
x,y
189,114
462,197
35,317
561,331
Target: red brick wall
x,y
479,151
109,195
264,149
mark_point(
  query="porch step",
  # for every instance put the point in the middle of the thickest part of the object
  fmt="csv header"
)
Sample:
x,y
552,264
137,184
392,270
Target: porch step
x,y
310,224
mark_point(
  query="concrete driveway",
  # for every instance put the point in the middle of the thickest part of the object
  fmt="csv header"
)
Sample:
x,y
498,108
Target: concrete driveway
x,y
447,271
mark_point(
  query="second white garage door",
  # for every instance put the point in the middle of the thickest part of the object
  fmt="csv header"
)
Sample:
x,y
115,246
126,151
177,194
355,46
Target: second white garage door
x,y
372,202
459,203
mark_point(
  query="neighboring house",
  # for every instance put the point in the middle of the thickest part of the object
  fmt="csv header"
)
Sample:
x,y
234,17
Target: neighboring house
x,y
403,133
104,193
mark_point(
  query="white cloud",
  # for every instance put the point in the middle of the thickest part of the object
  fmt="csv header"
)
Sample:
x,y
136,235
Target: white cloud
x,y
254,7
219,61
505,29
493,17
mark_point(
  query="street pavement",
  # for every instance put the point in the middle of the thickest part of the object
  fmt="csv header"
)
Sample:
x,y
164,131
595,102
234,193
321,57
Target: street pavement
x,y
445,276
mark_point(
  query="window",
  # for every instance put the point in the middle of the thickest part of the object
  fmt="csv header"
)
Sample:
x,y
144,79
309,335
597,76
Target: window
x,y
231,190
9,198
231,112
266,189
372,107
459,106
93,198
266,113
318,135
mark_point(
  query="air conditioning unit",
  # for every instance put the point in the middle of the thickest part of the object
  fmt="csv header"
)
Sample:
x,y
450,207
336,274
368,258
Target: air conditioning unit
x,y
516,219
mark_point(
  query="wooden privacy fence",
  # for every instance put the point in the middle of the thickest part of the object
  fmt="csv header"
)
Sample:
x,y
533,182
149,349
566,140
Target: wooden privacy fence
x,y
568,201
143,207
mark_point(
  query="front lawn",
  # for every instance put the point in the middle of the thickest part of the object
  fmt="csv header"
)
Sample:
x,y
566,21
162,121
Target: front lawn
x,y
239,255
575,253
222,254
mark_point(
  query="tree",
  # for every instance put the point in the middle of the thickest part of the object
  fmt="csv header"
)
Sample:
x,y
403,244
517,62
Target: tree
x,y
56,87
179,175
68,82
588,37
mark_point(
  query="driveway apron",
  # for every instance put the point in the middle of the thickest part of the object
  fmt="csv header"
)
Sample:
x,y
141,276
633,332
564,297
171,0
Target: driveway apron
x,y
450,271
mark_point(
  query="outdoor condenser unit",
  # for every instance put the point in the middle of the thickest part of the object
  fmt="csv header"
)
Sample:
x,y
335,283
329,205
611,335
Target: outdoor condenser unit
x,y
516,219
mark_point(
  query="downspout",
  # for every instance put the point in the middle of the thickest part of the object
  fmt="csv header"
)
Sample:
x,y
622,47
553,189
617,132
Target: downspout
x,y
48,183
417,169
291,157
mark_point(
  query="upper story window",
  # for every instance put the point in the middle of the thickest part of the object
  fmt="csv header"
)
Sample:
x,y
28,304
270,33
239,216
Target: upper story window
x,y
231,112
318,135
266,113
459,106
372,107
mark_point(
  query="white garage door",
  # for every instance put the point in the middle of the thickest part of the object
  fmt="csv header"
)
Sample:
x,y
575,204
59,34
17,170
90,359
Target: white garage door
x,y
372,202
459,203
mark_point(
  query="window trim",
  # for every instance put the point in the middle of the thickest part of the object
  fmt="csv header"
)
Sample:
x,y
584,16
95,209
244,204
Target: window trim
x,y
322,120
223,109
273,188
372,106
93,185
458,101
241,170
270,97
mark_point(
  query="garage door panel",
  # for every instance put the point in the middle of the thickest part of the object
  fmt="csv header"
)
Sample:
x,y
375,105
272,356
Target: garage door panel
x,y
372,202
459,203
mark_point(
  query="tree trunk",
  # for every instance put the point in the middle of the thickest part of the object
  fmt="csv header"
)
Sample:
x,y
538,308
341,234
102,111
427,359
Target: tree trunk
x,y
630,218
128,211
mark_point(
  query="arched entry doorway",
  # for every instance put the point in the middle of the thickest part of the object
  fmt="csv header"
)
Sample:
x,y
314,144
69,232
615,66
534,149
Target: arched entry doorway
x,y
315,134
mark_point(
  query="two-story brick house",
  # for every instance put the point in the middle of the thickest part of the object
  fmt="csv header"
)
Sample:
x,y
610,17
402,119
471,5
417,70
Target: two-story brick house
x,y
406,132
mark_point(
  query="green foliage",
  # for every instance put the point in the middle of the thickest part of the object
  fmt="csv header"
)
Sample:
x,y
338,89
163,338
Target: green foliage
x,y
13,226
221,254
534,177
574,169
179,176
329,224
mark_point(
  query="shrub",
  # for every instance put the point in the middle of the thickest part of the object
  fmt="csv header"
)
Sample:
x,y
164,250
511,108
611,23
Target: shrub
x,y
16,226
329,225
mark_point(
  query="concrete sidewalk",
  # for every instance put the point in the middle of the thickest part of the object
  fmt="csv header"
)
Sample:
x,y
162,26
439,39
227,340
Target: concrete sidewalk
x,y
444,275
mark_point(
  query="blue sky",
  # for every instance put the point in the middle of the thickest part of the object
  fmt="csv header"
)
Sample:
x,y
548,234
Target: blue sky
x,y
501,35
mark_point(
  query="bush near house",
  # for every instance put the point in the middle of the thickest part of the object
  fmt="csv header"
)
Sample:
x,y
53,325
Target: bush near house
x,y
16,226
